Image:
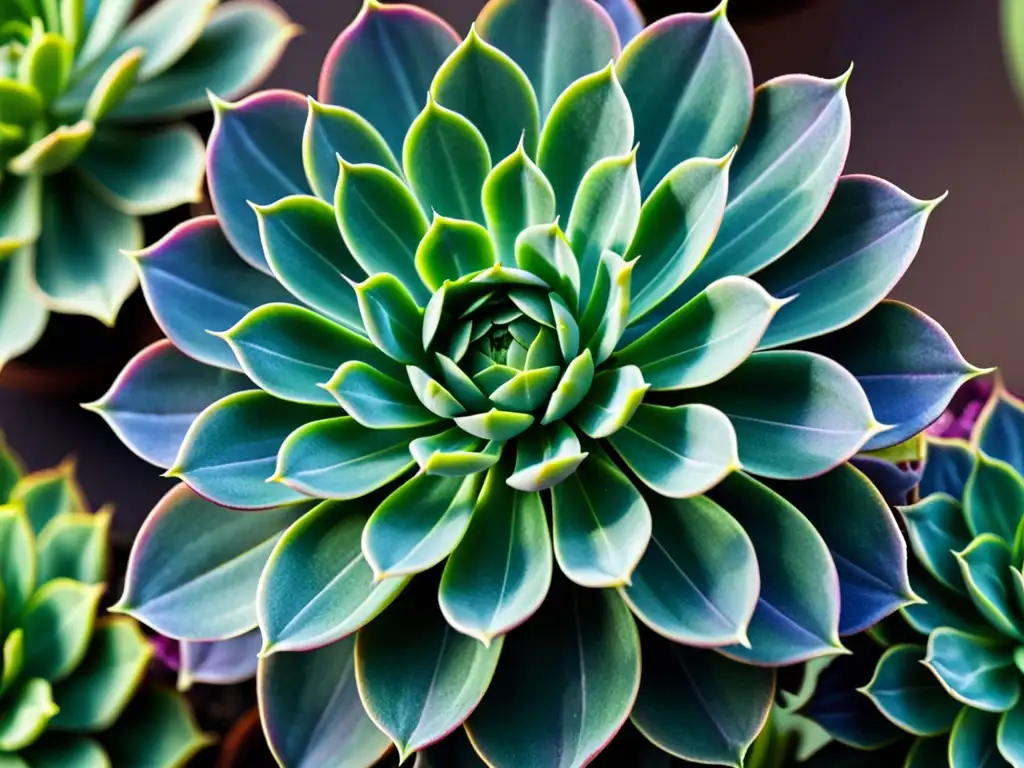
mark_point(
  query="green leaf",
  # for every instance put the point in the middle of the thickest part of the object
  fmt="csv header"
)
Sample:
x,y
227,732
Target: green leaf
x,y
546,456
446,161
71,752
13,659
942,607
341,459
98,691
679,452
1008,736
306,253
571,388
418,678
797,614
461,385
114,85
49,494
566,683
391,317
20,104
602,524
23,313
677,226
483,84
589,122
435,398
788,163
724,704
970,743
79,265
376,400
607,310
293,353
454,453
611,402
27,711
53,152
697,582
207,591
17,563
545,38
419,525
158,729
925,753
46,64
233,472
985,566
144,173
317,587
12,469
451,249
74,546
604,214
705,340
566,328
105,20
495,425
796,414
298,692
58,622
907,693
936,529
667,71
974,670
544,251
998,426
993,498
333,132
526,391
854,256
381,223
20,212
500,572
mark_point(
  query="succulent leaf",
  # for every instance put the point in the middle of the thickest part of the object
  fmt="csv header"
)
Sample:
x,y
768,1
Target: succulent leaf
x,y
975,670
907,693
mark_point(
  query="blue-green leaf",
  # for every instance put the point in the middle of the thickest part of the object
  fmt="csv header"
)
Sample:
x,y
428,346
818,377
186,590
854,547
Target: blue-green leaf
x,y
985,566
611,402
391,317
544,251
455,453
517,198
376,400
998,429
907,693
936,529
970,743
975,670
947,465
993,498
546,456
452,248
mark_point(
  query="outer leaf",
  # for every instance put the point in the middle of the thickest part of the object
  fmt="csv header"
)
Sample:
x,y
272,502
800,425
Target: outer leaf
x,y
382,64
158,395
23,313
942,607
233,472
683,58
311,711
985,566
158,729
546,457
678,452
73,752
974,670
909,695
341,459
495,425
254,157
864,242
74,546
114,85
317,587
993,498
602,524
26,714
391,317
418,692
997,428
866,543
555,42
698,582
194,283
948,464
518,197
454,453
970,743
796,414
500,572
611,402
797,614
724,703
58,621
571,388
207,591
936,530
569,143
222,662
17,563
49,494
1008,737
565,685
20,209
707,338
377,401
54,151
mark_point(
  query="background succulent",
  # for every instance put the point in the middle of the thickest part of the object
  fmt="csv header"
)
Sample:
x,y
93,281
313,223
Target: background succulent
x,y
513,326
77,77
69,685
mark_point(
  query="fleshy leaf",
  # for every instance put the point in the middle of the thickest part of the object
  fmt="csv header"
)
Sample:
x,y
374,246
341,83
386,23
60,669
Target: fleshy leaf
x,y
947,465
299,691
500,572
1000,423
391,317
907,693
157,729
723,703
942,607
53,152
571,388
611,402
23,314
517,198
698,582
936,529
20,211
1008,737
454,453
58,622
970,743
607,309
116,83
993,498
546,456
452,248
49,494
985,566
495,424
27,711
74,546
317,587
207,591
976,671
526,390
17,562
222,662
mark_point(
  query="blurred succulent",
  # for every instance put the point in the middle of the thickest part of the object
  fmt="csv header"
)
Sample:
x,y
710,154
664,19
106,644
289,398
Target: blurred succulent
x,y
76,168
220,662
952,674
70,682
573,324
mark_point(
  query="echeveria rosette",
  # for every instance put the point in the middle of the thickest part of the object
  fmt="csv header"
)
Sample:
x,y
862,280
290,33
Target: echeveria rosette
x,y
89,97
71,688
617,312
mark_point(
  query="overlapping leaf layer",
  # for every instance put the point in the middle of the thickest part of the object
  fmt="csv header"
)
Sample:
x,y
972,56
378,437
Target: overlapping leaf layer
x,y
69,681
87,95
514,359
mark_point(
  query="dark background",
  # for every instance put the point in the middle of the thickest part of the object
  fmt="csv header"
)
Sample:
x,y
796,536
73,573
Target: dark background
x,y
933,110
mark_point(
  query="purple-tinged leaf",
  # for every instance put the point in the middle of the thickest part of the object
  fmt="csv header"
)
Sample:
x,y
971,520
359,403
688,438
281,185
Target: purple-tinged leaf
x,y
220,662
999,428
626,17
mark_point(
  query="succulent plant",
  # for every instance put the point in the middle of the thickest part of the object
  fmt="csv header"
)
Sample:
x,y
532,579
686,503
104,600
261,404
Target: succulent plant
x,y
516,300
70,690
79,82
